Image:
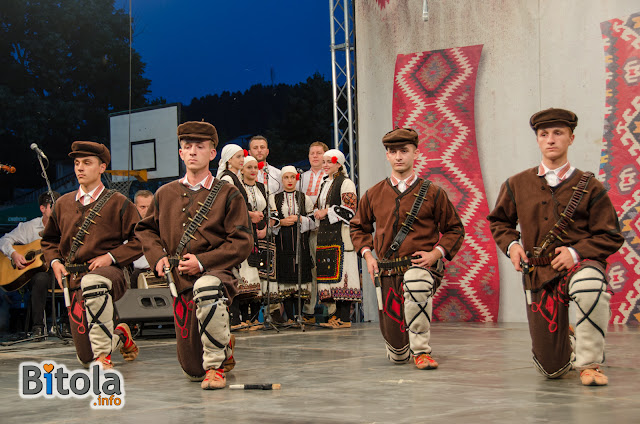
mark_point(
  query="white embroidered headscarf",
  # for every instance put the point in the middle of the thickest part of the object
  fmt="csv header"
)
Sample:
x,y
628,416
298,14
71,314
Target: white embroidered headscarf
x,y
288,169
260,201
335,153
227,152
248,159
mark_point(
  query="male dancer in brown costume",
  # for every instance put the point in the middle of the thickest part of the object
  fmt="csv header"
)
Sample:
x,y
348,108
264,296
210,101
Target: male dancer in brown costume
x,y
83,242
201,253
568,228
410,269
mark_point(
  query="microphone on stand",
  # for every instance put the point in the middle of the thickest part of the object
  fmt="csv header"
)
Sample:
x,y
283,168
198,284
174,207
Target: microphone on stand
x,y
262,166
39,152
265,172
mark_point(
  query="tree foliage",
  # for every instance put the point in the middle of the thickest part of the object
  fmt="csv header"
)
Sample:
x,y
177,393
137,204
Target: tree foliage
x,y
290,116
65,67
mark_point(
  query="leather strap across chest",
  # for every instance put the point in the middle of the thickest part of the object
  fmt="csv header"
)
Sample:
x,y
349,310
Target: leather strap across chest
x,y
407,225
566,217
94,212
196,221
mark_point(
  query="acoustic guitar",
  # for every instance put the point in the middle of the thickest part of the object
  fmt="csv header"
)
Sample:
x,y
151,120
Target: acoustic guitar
x,y
12,278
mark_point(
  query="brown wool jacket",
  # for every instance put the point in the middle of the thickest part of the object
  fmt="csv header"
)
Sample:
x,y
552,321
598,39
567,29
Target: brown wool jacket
x,y
222,242
385,206
528,200
114,226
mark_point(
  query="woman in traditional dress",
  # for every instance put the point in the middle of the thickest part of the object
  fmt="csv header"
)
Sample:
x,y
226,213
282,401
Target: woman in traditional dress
x,y
231,161
336,260
250,287
289,208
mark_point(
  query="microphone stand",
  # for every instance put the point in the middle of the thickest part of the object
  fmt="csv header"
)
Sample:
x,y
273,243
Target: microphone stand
x,y
301,199
268,320
55,330
46,178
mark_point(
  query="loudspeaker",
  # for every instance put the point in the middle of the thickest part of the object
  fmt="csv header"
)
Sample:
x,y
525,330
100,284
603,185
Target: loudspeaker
x,y
146,305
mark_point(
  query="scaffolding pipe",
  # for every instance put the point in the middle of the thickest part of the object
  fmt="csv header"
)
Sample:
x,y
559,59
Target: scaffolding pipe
x,y
334,75
347,50
343,83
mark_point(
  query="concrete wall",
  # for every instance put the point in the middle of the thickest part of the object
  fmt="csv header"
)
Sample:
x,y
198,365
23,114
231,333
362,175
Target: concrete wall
x,y
536,54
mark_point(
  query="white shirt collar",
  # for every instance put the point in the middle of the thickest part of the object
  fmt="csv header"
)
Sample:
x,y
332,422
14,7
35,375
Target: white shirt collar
x,y
93,194
555,176
408,181
206,182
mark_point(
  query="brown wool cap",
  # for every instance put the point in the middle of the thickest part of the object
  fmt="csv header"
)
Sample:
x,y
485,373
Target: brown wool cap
x,y
546,117
399,137
80,149
198,131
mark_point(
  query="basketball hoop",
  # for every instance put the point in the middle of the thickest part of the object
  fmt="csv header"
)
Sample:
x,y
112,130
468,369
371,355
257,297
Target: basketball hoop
x,y
121,180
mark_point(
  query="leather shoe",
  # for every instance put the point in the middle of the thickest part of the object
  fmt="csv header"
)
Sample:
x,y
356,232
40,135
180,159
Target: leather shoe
x,y
129,349
593,377
214,379
66,330
37,333
229,363
425,362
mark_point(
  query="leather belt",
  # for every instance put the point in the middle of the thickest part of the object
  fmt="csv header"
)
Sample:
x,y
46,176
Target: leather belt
x,y
541,261
394,266
401,265
77,268
395,263
174,261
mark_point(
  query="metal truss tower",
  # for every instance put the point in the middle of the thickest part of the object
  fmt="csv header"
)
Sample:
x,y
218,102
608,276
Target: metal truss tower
x,y
343,72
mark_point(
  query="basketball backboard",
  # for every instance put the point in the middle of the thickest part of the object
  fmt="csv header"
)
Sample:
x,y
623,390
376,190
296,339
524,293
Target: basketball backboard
x,y
149,141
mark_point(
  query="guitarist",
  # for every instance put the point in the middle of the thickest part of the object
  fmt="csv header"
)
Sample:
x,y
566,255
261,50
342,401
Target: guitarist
x,y
25,233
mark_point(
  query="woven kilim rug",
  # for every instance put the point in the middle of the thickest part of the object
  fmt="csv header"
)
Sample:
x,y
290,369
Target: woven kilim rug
x,y
433,93
619,164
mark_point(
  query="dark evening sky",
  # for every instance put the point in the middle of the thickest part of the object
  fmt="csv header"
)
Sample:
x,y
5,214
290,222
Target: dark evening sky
x,y
197,47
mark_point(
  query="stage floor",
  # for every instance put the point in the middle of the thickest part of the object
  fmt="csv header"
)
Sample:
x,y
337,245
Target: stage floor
x,y
342,376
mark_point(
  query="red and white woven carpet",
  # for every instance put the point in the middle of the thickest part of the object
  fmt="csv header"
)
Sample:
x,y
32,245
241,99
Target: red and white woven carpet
x,y
433,93
620,160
